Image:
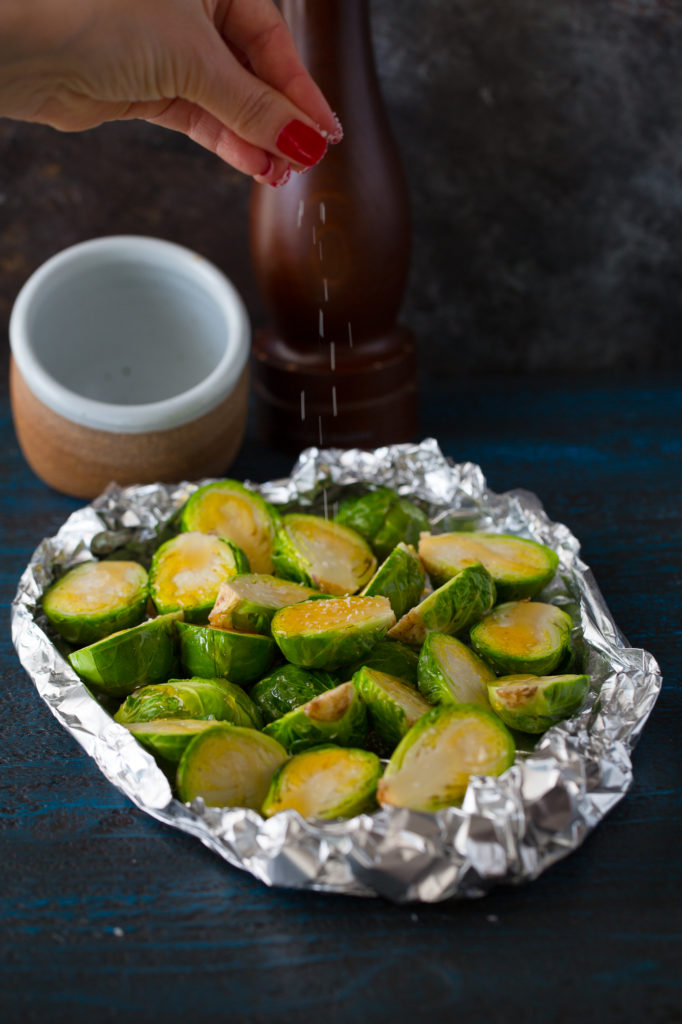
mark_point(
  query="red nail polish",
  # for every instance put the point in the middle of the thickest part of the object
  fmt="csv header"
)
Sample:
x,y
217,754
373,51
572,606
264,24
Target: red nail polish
x,y
301,143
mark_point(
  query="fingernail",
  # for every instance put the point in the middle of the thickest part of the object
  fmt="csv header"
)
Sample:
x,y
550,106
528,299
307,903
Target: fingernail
x,y
335,137
301,143
282,180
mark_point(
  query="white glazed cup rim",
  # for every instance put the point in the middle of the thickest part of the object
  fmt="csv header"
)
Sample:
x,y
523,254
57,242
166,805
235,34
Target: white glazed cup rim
x,y
176,410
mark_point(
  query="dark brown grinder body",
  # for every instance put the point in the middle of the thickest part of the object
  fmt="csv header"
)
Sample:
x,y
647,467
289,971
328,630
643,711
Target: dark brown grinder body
x,y
331,255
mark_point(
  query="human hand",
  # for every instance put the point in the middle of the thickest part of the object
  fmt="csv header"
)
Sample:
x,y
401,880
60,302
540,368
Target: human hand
x,y
224,72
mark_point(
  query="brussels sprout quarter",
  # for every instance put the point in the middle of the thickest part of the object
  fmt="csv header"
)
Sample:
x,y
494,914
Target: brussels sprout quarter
x,y
519,567
433,763
130,658
393,707
247,603
231,510
450,673
190,698
322,554
95,599
330,633
523,636
229,767
187,571
451,609
336,716
534,703
400,578
287,687
325,782
167,738
384,519
219,653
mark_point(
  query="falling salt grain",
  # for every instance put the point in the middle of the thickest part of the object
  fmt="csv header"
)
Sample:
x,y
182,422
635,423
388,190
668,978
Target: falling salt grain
x,y
118,932
350,335
301,207
319,249
303,405
332,355
334,409
319,427
324,500
323,213
326,289
321,323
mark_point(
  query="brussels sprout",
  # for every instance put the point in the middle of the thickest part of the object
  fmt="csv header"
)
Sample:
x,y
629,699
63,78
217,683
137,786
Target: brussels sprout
x,y
133,657
450,673
392,706
533,703
519,567
400,578
167,738
336,716
187,571
450,609
231,510
325,782
328,634
384,519
190,698
212,653
322,554
523,636
287,687
392,657
95,599
229,767
431,766
247,603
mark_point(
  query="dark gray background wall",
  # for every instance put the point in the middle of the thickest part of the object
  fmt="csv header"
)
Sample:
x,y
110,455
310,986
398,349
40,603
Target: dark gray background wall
x,y
543,145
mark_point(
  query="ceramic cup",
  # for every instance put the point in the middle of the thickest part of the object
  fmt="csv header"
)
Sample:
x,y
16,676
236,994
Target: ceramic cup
x,y
129,364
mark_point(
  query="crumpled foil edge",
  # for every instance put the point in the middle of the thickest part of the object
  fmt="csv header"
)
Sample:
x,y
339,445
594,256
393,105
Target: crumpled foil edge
x,y
508,829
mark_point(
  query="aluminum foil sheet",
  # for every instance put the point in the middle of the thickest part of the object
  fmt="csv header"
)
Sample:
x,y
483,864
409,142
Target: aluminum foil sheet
x,y
508,829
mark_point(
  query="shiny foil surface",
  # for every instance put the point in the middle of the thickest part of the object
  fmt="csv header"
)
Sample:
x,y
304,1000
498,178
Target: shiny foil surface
x,y
508,829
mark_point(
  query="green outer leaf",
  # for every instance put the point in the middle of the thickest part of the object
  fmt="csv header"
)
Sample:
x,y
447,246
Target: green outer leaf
x,y
167,738
400,578
331,648
287,687
511,586
122,662
450,673
292,563
355,799
229,767
392,657
190,698
540,658
231,558
238,609
211,653
336,716
534,703
81,628
403,522
443,769
366,513
393,707
451,609
265,521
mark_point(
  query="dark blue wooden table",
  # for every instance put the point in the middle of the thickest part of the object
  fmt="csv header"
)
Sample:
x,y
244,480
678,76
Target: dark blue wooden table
x,y
107,915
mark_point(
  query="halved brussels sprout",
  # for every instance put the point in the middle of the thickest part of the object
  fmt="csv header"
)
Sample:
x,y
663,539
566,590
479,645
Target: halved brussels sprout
x,y
431,766
534,703
450,673
95,599
336,716
218,653
231,510
451,609
132,657
287,687
519,567
384,519
186,573
190,698
167,738
523,636
325,782
392,705
331,633
247,603
392,657
323,554
400,578
228,766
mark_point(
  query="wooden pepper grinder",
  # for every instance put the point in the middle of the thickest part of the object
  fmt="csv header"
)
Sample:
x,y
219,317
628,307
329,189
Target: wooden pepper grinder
x,y
331,253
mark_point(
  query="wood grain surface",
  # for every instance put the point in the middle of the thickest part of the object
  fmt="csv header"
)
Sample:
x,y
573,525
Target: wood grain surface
x,y
107,915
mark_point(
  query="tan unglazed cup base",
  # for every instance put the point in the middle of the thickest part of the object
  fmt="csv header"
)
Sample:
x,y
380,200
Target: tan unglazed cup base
x,y
81,461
